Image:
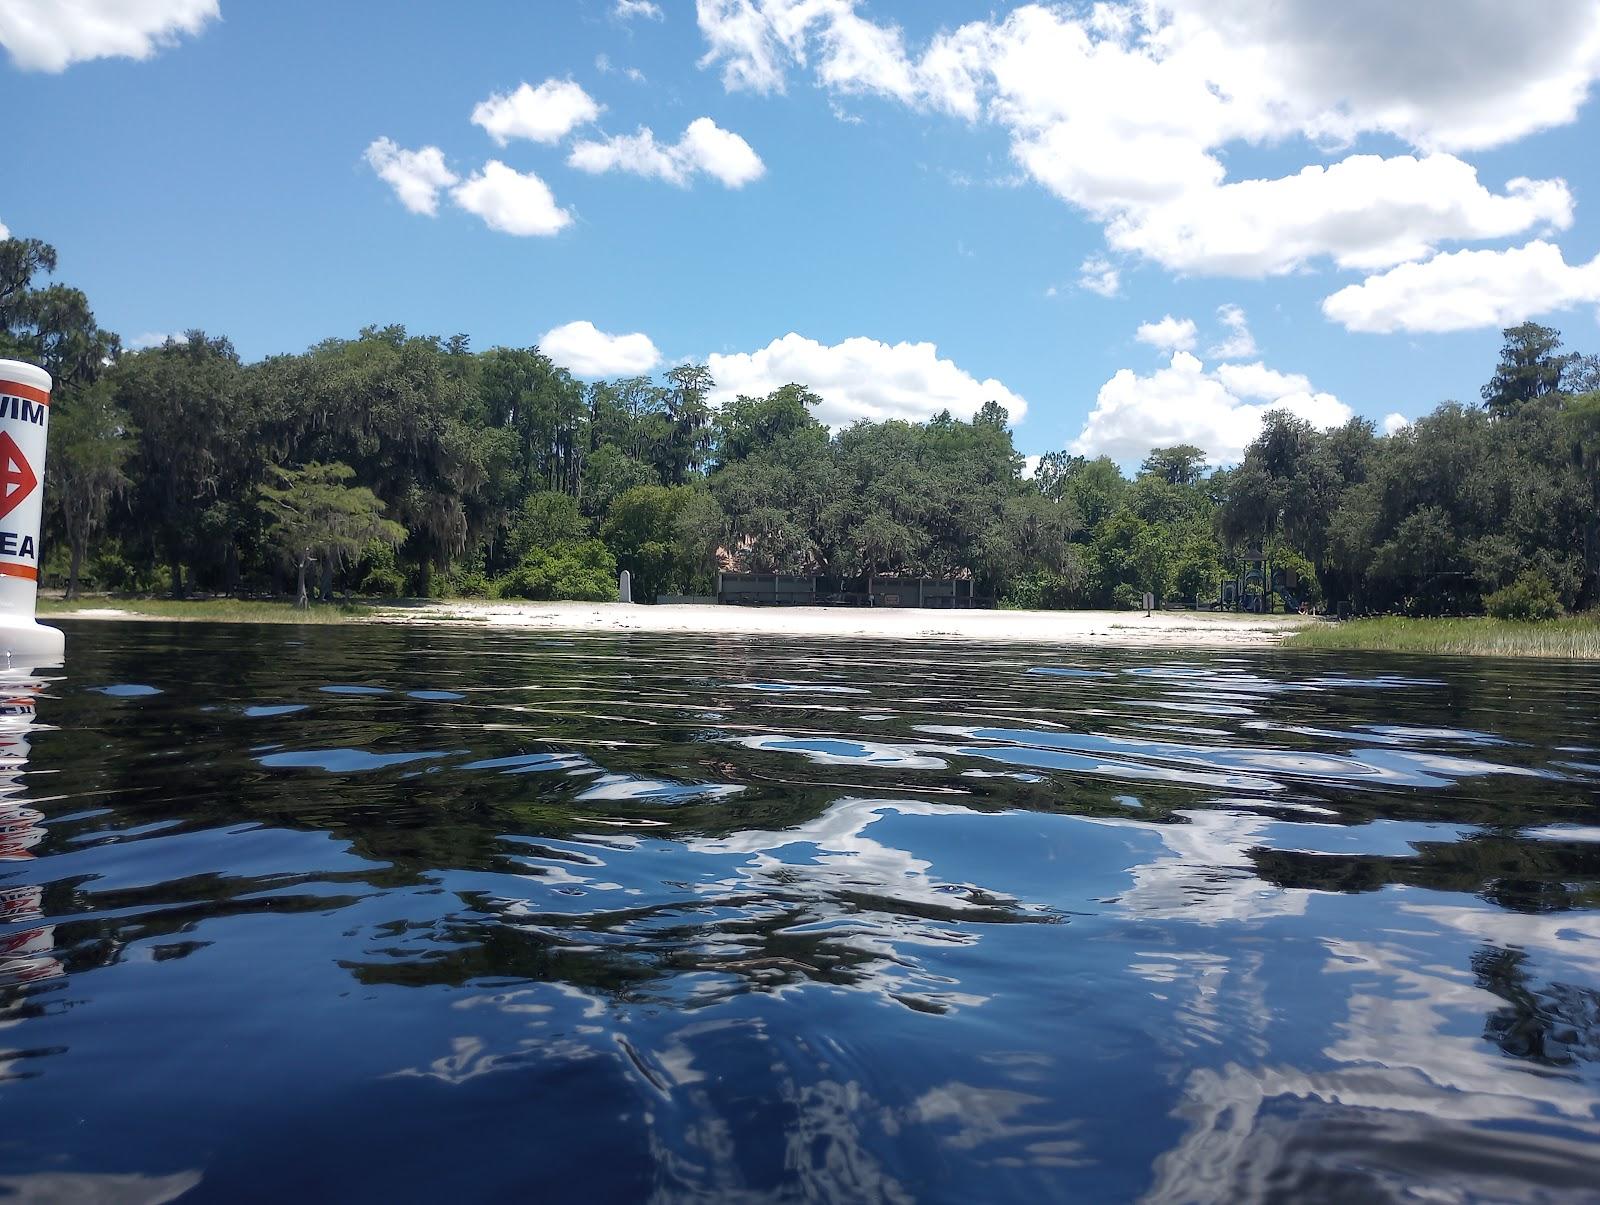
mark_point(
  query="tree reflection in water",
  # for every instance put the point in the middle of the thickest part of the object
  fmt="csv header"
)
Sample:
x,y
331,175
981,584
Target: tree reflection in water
x,y
757,920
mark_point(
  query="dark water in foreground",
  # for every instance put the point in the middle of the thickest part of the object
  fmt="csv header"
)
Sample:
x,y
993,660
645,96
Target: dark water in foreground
x,y
373,914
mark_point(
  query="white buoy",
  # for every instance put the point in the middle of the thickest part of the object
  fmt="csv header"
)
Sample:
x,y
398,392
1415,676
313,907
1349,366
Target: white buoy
x,y
24,426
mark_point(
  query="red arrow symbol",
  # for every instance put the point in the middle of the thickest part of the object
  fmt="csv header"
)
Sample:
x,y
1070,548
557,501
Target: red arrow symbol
x,y
17,479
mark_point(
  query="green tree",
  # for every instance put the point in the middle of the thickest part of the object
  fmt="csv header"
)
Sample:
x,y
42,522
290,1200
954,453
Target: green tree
x,y
544,409
314,513
1036,538
398,409
21,259
1094,487
701,532
1582,420
90,443
688,422
629,415
609,473
50,325
775,482
546,519
196,460
1132,557
1197,565
1420,560
748,425
1530,367
641,531
879,519
1182,464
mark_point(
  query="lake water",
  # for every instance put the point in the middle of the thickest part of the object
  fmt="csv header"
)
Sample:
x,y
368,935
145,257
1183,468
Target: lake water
x,y
378,914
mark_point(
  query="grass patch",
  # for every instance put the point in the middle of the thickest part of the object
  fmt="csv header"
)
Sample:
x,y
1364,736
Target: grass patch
x,y
1574,639
206,610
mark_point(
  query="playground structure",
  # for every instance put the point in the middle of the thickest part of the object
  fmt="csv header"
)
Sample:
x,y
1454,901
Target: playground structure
x,y
1260,587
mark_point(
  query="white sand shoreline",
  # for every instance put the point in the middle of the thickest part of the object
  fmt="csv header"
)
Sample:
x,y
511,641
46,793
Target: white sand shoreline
x,y
1190,629
1132,629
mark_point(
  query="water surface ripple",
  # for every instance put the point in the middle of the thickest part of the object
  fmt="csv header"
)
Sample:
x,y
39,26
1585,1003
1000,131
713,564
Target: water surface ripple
x,y
380,914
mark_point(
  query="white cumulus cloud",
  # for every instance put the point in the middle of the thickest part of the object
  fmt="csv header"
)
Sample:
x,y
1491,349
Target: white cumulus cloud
x,y
704,147
544,114
1246,69
1124,110
1169,334
417,177
1466,290
1364,211
586,351
1219,411
1395,422
51,35
862,378
5,231
511,201
1260,382
1343,70
754,42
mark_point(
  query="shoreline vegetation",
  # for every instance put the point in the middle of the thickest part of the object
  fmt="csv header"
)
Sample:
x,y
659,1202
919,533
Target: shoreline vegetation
x,y
394,464
1576,638
201,610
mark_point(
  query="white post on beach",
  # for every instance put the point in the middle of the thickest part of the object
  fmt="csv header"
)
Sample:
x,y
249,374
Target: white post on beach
x,y
24,426
625,587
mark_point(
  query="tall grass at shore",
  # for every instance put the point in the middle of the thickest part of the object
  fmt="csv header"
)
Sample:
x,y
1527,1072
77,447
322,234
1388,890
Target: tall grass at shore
x,y
213,610
1573,639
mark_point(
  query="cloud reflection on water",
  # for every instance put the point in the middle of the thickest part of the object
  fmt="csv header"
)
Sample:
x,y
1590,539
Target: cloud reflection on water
x,y
779,922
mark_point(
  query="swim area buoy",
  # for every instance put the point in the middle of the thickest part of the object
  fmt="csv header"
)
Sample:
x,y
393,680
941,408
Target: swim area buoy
x,y
24,429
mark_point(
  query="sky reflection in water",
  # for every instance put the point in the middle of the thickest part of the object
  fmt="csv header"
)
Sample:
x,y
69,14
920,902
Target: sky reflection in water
x,y
375,914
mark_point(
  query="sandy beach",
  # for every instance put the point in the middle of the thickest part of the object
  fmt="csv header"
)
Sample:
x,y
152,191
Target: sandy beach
x,y
1197,629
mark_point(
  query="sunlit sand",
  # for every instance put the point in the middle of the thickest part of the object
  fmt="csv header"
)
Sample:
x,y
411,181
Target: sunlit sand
x,y
1125,628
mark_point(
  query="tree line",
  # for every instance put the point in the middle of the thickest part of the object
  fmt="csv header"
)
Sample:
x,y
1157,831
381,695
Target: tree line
x,y
400,464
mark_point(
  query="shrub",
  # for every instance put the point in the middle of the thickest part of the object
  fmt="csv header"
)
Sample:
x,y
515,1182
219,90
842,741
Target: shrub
x,y
1027,592
466,582
576,570
1045,589
109,570
1197,578
377,573
384,583
1127,598
1530,599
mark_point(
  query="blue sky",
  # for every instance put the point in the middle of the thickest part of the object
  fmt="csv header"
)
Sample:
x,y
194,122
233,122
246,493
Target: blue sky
x,y
911,174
